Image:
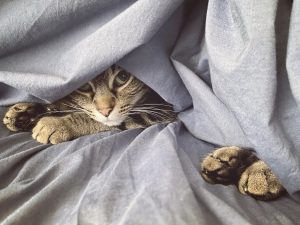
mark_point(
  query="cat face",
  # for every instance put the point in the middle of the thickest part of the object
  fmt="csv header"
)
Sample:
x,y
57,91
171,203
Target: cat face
x,y
109,97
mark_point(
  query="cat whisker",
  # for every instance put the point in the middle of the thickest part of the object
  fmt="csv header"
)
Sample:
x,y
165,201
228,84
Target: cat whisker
x,y
79,108
156,105
33,120
164,113
75,105
159,111
153,113
158,116
58,111
155,109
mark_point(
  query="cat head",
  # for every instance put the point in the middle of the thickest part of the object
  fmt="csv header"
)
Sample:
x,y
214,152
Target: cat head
x,y
110,97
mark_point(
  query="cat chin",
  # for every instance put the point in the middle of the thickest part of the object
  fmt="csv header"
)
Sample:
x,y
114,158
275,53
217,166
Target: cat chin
x,y
110,123
114,119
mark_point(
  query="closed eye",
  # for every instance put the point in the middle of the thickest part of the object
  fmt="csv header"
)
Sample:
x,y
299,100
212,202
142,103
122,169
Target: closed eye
x,y
87,88
121,79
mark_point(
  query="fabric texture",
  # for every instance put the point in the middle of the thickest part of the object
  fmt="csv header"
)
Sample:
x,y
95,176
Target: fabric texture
x,y
230,67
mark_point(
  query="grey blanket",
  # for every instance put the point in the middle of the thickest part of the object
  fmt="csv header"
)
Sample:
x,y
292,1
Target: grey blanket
x,y
230,67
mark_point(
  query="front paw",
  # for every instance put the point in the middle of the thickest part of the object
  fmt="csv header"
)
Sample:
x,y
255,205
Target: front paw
x,y
51,130
224,165
259,182
22,116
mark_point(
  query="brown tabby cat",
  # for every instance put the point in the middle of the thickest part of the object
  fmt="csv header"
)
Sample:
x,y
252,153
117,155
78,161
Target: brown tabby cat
x,y
116,100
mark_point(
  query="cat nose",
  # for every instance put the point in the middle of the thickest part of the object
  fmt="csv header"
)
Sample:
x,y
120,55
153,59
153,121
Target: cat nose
x,y
105,105
105,112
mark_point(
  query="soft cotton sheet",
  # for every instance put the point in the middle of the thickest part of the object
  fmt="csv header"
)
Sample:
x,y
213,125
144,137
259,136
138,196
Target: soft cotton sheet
x,y
231,69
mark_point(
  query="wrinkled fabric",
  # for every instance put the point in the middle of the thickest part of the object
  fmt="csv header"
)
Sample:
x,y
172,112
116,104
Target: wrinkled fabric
x,y
231,69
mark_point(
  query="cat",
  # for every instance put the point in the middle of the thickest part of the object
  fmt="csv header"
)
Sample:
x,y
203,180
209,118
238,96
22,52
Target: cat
x,y
116,100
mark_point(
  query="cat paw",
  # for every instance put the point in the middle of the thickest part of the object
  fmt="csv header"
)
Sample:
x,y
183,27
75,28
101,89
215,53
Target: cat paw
x,y
22,116
51,130
259,182
225,165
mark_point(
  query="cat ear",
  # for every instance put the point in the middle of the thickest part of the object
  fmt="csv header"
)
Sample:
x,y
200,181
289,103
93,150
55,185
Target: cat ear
x,y
109,71
116,67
